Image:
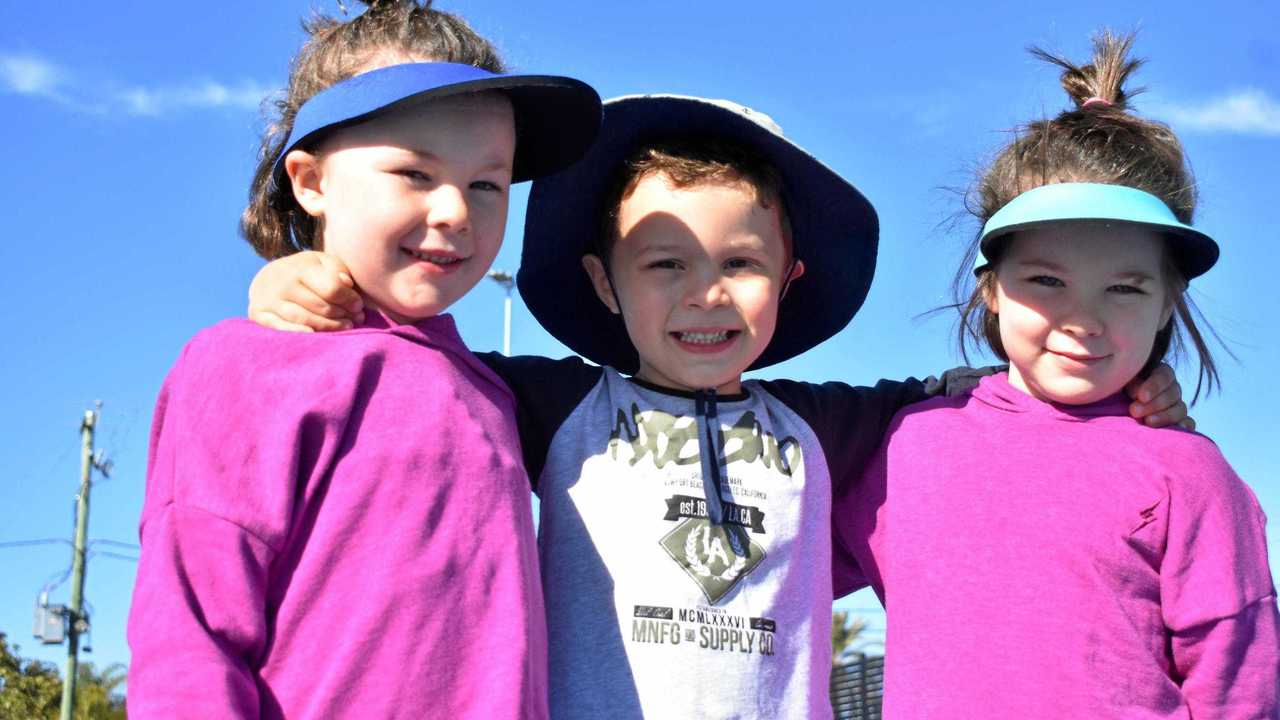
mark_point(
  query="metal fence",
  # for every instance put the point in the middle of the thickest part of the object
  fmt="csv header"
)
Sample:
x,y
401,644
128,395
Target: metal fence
x,y
857,688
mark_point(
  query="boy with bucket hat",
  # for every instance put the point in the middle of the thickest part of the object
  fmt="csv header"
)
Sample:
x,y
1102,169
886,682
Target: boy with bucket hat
x,y
685,517
685,534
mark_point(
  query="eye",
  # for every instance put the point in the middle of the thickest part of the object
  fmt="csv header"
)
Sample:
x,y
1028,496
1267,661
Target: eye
x,y
414,175
487,186
741,263
663,264
1046,281
1127,290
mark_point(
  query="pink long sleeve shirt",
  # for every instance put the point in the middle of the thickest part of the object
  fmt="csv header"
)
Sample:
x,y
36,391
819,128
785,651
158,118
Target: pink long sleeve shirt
x,y
1049,561
336,525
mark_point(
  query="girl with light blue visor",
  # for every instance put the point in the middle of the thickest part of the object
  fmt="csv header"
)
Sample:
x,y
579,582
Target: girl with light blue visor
x,y
1047,556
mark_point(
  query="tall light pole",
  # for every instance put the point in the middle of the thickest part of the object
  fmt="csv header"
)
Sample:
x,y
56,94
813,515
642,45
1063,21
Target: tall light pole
x,y
507,281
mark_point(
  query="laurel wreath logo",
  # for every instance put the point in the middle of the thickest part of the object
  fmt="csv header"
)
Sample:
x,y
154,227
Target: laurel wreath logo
x,y
694,559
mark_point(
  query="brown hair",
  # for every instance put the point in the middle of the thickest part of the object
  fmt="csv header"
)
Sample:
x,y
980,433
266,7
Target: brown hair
x,y
690,162
273,222
1098,141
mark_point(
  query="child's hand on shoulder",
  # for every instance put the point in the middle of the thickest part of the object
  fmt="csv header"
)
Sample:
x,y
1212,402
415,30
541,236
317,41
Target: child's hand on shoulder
x,y
305,292
1157,401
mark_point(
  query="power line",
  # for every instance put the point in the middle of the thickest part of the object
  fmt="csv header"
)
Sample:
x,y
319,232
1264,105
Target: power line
x,y
118,556
114,543
42,541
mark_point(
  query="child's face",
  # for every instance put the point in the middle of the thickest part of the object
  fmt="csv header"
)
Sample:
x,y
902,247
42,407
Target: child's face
x,y
415,202
1079,307
698,272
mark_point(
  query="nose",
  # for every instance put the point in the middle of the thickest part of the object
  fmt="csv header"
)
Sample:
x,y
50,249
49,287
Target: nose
x,y
448,209
705,290
1082,319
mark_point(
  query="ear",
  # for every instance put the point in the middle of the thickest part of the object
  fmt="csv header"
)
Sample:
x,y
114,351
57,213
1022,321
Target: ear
x,y
991,294
797,269
600,281
1167,313
305,176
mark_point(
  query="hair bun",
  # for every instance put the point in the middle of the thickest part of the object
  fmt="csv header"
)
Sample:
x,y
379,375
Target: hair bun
x,y
1099,85
380,4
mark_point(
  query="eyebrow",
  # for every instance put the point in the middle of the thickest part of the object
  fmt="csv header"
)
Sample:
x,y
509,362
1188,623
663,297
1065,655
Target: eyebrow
x,y
492,163
1127,274
1136,275
1037,262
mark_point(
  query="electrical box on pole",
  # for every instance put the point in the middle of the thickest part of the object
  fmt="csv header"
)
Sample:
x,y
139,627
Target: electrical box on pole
x,y
50,622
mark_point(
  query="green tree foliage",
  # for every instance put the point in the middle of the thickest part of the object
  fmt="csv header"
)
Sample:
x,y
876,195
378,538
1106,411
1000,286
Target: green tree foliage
x,y
845,630
32,690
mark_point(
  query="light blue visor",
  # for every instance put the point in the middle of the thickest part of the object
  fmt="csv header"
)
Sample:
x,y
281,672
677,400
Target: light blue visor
x,y
1193,251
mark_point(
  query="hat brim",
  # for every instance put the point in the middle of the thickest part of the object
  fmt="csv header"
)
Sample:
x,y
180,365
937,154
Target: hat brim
x,y
1194,252
835,231
557,118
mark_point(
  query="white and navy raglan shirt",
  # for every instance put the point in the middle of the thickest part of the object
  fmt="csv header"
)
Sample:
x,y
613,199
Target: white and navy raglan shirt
x,y
653,610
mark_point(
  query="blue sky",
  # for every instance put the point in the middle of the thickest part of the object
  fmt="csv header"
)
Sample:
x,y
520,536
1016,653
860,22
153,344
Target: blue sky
x,y
130,133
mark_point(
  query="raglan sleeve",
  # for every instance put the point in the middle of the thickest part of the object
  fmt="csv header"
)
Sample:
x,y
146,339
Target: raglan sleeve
x,y
220,487
1217,594
546,392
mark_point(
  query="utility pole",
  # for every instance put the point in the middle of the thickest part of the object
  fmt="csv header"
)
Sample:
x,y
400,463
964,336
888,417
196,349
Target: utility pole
x,y
507,281
77,622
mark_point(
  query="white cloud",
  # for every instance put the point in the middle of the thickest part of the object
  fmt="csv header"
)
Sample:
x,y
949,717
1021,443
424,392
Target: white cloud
x,y
34,76
30,75
209,94
1245,112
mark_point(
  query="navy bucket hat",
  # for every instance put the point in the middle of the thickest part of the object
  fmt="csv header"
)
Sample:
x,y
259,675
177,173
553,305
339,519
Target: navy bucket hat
x,y
835,229
556,117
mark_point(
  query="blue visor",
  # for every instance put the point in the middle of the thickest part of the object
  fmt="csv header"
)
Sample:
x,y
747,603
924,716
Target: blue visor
x,y
557,118
1194,252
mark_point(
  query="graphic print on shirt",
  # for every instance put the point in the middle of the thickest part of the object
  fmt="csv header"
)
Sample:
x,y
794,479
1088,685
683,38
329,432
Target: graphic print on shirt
x,y
715,557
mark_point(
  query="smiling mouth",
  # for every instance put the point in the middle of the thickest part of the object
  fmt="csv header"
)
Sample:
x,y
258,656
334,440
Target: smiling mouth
x,y
1082,359
705,338
433,258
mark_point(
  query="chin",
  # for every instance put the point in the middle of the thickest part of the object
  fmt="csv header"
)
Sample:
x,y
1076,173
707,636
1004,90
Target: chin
x,y
1074,391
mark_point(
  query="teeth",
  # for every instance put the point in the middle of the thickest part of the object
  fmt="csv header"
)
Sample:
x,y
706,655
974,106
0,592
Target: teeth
x,y
436,259
704,338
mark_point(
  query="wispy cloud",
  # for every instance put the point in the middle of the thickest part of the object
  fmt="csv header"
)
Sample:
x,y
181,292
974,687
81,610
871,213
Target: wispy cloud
x,y
208,94
38,77
1243,112
30,75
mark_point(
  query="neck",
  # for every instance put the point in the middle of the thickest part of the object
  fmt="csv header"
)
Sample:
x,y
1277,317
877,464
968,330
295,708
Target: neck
x,y
731,387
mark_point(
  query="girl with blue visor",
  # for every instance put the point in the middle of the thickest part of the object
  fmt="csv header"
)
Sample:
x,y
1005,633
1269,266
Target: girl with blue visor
x,y
339,524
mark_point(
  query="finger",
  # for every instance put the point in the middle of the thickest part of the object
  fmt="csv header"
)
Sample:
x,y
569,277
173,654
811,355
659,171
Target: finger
x,y
350,300
1167,399
275,322
339,268
1161,379
1189,423
296,314
304,297
1167,417
327,282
